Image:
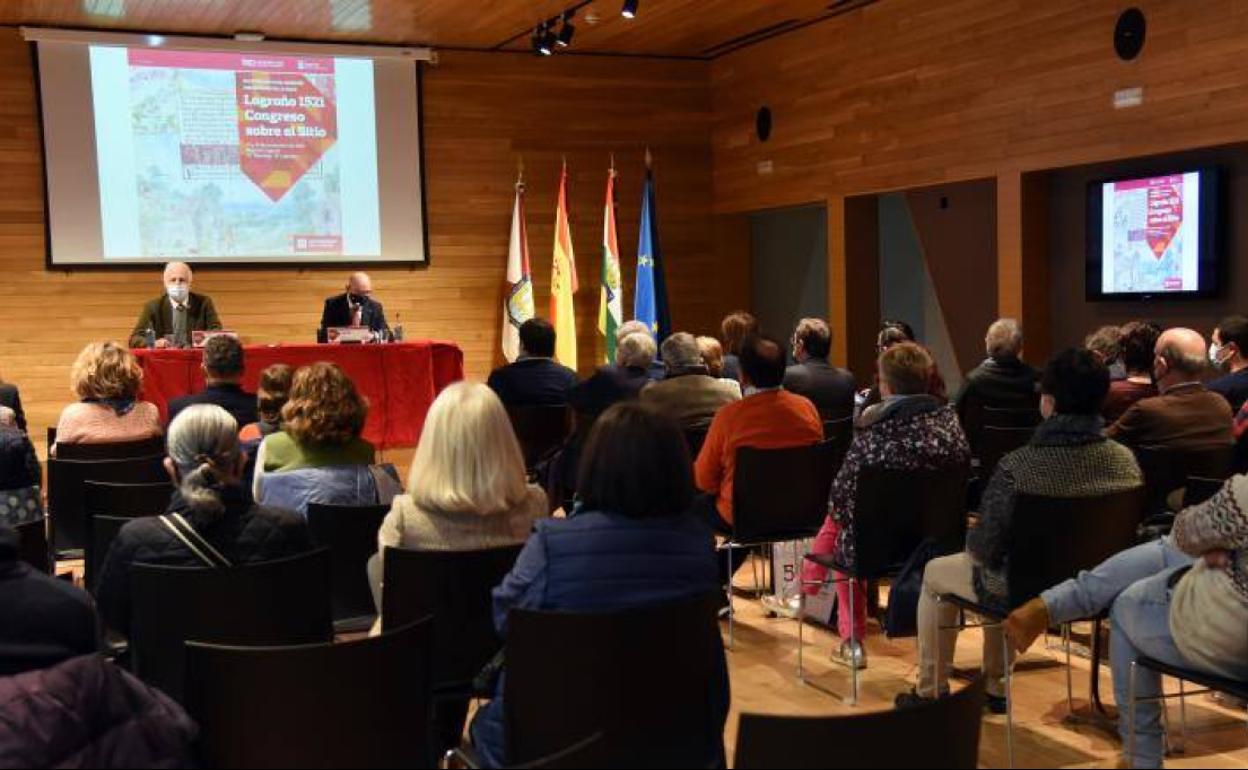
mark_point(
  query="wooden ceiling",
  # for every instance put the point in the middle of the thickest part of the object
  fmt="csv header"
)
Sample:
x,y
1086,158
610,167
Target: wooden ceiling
x,y
692,28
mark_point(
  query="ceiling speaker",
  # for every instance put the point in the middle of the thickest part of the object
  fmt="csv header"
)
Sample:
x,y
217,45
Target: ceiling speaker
x,y
1129,34
762,124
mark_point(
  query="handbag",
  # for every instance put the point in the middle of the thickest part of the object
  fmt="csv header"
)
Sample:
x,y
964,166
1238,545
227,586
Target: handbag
x,y
203,550
901,619
19,506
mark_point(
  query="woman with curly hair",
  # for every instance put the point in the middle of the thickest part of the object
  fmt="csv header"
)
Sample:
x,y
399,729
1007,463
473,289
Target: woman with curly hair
x,y
318,456
107,377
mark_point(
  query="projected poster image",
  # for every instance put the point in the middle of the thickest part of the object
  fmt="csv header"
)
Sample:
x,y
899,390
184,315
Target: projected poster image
x,y
1151,235
228,155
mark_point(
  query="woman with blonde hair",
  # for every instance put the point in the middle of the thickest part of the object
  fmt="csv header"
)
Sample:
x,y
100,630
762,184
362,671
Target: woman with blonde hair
x,y
467,491
107,378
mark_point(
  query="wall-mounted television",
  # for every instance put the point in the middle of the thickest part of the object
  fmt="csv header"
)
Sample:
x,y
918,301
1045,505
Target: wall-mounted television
x,y
1154,237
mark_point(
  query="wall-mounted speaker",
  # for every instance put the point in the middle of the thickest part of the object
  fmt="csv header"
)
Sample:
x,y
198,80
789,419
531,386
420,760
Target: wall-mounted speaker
x,y
1129,34
762,124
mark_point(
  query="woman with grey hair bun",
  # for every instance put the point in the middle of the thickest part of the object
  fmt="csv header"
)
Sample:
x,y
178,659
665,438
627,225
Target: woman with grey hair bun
x,y
211,521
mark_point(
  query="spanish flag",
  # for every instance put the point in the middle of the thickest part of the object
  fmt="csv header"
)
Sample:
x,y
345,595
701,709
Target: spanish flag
x,y
563,282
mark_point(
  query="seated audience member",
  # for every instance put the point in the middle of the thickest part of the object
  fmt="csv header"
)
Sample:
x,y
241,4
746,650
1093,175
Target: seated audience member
x,y
467,492
1229,354
90,712
535,379
1139,341
1106,344
713,359
734,329
891,333
223,372
177,314
628,329
1068,456
271,398
689,395
830,389
1185,415
12,398
43,621
611,384
20,475
630,543
909,431
210,506
319,455
1182,600
107,378
1003,380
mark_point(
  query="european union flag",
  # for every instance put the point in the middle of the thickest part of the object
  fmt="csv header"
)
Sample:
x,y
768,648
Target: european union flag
x,y
650,300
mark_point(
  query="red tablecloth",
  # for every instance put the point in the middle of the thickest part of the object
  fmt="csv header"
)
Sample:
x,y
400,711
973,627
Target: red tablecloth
x,y
399,380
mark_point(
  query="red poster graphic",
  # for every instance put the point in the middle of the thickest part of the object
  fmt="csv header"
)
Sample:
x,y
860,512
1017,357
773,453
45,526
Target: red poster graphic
x,y
1165,213
285,125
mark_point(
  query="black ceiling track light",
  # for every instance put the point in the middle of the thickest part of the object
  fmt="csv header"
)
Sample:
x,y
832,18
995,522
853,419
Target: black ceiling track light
x,y
630,9
556,32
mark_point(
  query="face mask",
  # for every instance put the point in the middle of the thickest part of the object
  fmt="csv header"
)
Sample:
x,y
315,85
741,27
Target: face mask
x,y
178,292
1215,354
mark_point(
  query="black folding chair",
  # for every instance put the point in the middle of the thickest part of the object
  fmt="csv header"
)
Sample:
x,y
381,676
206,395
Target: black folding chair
x,y
1042,552
591,752
605,678
455,588
944,733
895,512
316,706
539,429
840,433
1167,470
1209,682
67,494
350,534
279,602
32,545
695,439
107,506
778,496
120,450
1199,490
995,443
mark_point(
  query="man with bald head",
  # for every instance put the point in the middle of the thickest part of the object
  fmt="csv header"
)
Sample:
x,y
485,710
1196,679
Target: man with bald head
x,y
174,316
355,307
1186,415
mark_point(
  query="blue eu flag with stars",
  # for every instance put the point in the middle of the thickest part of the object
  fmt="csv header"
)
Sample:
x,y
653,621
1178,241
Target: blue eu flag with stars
x,y
650,300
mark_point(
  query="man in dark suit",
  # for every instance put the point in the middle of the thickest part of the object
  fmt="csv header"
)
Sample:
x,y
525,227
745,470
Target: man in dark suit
x,y
11,398
1186,415
830,388
223,370
535,379
355,307
175,316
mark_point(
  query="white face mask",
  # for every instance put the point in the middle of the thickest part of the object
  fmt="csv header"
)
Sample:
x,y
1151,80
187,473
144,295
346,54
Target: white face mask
x,y
178,292
1215,354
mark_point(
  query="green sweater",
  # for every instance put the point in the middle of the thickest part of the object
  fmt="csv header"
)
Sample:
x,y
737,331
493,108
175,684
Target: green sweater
x,y
283,453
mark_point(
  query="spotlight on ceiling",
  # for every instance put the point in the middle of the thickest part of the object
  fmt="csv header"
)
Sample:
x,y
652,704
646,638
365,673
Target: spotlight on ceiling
x,y
544,39
567,31
630,9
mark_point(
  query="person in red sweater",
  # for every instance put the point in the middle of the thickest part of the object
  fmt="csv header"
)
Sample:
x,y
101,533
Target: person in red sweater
x,y
769,417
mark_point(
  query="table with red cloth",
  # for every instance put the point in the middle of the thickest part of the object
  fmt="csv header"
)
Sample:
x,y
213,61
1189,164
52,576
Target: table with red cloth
x,y
400,380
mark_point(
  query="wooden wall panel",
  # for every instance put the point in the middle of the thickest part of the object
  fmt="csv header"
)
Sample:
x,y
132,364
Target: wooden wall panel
x,y
909,93
482,112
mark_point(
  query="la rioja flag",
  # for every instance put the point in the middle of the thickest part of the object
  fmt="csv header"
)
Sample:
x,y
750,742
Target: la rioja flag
x,y
611,305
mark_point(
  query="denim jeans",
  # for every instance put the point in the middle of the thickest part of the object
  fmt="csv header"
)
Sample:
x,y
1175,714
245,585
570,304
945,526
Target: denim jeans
x,y
1094,591
1141,618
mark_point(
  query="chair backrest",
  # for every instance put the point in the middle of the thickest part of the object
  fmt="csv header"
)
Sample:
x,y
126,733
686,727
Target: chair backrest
x,y
539,429
840,432
66,491
119,503
1166,470
995,443
943,733
350,534
357,704
1053,538
648,679
895,511
32,544
1199,489
591,752
781,494
695,439
976,416
278,602
120,450
455,588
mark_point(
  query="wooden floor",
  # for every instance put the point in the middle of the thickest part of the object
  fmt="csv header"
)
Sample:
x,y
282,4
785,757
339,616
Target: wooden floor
x,y
764,680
